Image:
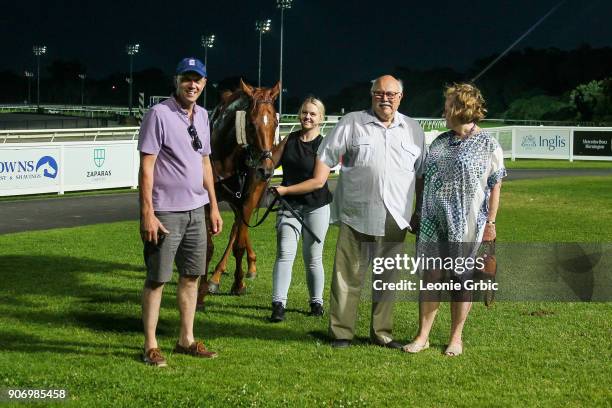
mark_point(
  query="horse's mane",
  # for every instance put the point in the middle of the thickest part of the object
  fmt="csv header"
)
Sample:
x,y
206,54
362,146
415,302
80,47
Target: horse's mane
x,y
223,117
230,103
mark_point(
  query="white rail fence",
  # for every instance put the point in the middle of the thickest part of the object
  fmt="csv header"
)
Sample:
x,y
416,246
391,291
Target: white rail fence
x,y
66,109
131,133
33,162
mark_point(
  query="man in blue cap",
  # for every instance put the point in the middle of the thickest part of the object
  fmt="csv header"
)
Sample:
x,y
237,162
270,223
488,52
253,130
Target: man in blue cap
x,y
176,182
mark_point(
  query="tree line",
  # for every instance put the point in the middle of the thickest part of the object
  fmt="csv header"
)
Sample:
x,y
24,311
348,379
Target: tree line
x,y
536,84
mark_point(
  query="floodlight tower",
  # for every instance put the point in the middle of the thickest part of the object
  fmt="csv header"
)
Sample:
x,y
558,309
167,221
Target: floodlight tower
x,y
131,49
82,78
38,51
208,41
261,26
282,5
29,75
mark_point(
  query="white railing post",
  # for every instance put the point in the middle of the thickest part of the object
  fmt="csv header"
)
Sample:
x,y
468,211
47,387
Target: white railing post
x,y
136,166
571,146
513,143
61,166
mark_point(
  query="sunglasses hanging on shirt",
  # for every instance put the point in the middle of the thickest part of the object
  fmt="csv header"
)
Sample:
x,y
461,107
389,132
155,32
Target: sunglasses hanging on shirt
x,y
196,143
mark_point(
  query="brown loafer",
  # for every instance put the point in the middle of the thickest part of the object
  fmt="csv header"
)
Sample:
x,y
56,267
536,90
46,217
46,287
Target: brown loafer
x,y
154,357
196,349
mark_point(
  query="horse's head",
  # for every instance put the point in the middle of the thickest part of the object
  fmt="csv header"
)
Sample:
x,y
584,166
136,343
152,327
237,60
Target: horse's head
x,y
262,118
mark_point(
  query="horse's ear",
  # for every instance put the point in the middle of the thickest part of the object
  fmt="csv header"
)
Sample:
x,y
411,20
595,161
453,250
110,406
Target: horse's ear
x,y
276,90
246,88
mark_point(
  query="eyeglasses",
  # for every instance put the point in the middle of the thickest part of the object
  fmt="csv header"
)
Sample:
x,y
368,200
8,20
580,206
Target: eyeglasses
x,y
196,143
390,95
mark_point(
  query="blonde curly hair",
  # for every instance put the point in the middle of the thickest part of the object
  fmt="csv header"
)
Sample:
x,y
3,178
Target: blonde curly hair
x,y
465,103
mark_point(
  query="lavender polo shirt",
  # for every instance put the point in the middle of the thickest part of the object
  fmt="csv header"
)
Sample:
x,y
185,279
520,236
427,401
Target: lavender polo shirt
x,y
178,176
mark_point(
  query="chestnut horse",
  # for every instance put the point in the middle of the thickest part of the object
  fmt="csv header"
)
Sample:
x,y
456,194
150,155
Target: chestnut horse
x,y
241,172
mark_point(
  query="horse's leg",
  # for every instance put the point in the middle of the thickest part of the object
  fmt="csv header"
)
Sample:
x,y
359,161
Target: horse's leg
x,y
239,288
242,237
215,279
210,249
251,258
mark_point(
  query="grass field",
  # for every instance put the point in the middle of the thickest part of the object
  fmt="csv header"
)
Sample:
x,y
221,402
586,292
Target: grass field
x,y
556,164
70,319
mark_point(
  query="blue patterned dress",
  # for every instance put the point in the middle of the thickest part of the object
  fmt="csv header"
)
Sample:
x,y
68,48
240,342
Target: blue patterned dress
x,y
459,175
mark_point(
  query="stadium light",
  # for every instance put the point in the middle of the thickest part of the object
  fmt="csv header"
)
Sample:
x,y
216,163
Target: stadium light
x,y
208,41
262,26
29,75
38,51
82,78
131,49
282,5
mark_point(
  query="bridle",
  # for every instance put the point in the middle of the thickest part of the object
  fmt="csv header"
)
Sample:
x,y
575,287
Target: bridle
x,y
254,159
254,156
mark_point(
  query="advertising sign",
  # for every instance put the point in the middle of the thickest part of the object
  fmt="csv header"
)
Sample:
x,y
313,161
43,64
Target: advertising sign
x,y
98,166
592,143
22,170
542,143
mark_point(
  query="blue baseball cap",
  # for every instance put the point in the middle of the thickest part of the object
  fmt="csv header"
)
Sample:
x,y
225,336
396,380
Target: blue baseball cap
x,y
191,65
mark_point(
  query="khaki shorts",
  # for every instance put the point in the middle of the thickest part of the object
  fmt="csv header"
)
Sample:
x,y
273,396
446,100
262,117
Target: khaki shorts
x,y
185,245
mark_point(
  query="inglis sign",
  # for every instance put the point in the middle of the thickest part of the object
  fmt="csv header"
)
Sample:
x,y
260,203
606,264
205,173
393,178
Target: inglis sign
x,y
546,143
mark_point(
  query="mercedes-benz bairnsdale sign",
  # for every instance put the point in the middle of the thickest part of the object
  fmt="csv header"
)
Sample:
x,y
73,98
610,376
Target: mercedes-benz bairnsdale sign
x,y
593,143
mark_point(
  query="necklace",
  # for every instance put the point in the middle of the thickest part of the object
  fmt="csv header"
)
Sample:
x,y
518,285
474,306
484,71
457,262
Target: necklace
x,y
456,139
469,132
472,128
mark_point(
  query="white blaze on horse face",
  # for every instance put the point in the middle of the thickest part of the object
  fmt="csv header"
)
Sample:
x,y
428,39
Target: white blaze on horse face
x,y
265,120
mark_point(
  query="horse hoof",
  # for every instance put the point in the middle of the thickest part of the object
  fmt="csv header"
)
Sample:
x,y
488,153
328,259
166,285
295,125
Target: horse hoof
x,y
213,288
251,275
238,291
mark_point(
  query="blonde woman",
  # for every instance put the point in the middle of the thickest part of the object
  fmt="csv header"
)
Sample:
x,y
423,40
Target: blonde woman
x,y
297,155
463,173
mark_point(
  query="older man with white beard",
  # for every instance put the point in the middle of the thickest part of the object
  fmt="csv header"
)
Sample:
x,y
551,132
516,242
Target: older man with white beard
x,y
382,154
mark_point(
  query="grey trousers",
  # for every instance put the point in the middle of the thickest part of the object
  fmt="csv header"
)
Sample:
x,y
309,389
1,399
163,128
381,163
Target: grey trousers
x,y
185,245
288,231
351,263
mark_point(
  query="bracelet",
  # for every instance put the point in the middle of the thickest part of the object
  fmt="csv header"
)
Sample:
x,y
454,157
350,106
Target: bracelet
x,y
490,222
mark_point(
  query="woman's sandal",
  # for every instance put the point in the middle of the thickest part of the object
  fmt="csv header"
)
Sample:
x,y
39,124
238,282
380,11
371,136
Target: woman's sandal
x,y
415,347
454,350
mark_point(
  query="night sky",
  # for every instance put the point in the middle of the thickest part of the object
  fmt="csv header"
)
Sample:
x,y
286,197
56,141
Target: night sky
x,y
328,44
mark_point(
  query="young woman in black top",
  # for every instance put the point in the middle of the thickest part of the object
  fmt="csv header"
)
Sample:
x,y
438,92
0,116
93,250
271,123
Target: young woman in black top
x,y
297,154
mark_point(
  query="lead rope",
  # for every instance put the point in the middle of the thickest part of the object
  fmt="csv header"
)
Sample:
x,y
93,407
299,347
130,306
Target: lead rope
x,y
284,204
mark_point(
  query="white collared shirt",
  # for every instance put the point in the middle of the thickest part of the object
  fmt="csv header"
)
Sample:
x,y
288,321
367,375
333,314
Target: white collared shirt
x,y
378,172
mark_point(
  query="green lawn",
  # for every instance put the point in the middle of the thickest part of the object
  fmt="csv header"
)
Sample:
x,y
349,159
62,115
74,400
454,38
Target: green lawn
x,y
70,319
556,164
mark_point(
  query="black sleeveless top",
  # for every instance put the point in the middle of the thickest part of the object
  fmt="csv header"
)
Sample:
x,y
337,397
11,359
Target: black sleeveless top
x,y
298,161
